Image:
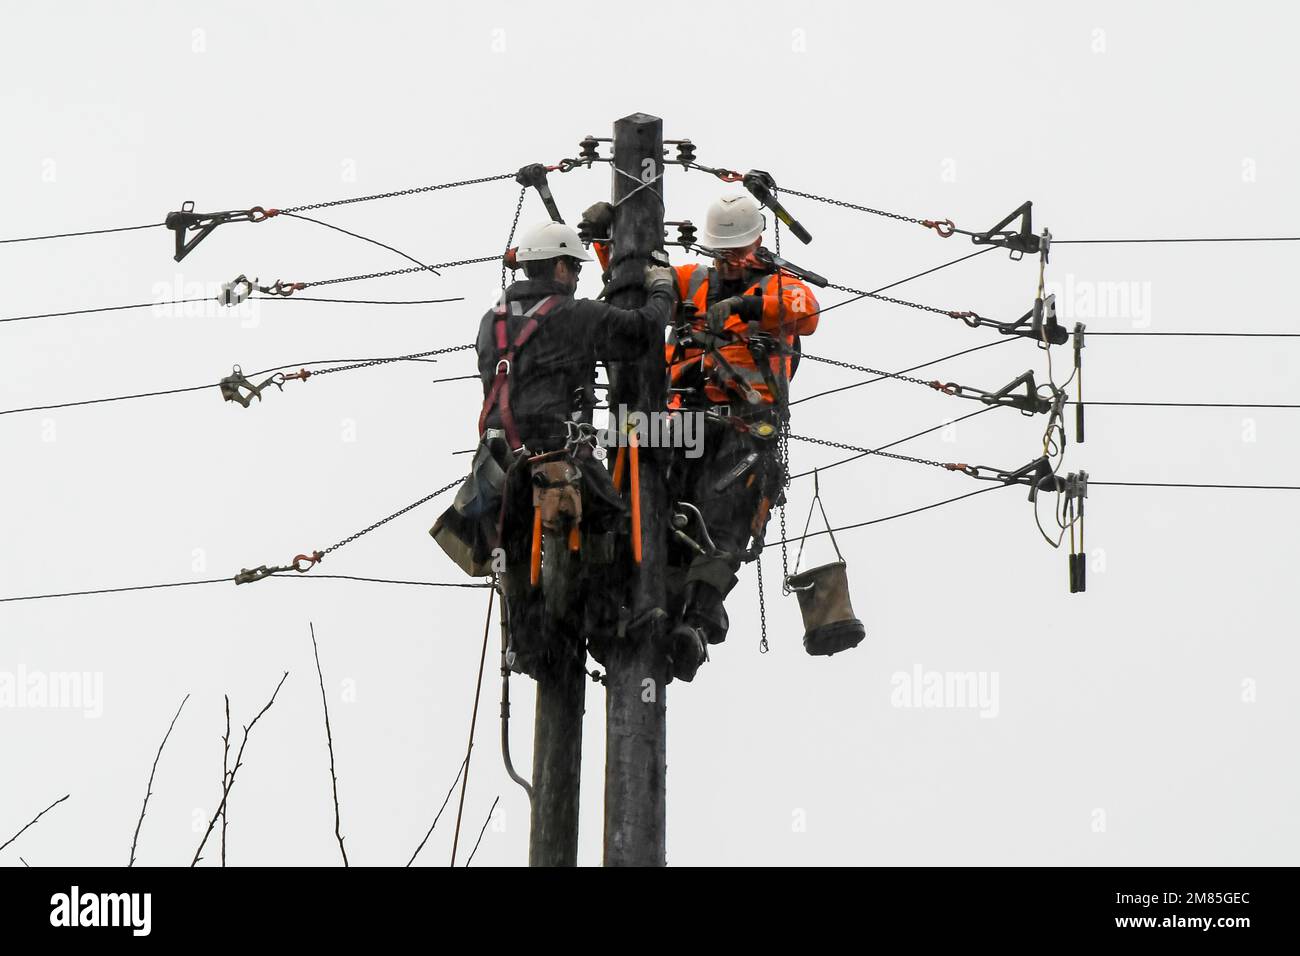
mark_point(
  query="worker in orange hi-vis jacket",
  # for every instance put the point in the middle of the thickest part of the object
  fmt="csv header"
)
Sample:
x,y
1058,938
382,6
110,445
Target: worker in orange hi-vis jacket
x,y
730,357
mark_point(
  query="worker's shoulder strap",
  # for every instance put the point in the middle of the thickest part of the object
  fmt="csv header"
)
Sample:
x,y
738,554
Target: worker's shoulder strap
x,y
499,391
699,276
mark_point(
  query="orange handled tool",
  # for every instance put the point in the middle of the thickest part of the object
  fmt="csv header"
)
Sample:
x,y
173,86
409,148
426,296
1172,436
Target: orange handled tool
x,y
634,457
535,563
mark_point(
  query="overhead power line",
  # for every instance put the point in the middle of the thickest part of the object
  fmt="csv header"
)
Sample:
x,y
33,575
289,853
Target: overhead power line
x,y
84,232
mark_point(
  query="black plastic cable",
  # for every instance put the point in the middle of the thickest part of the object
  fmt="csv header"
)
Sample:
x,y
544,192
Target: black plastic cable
x,y
87,232
891,285
1243,335
356,235
230,580
1180,404
1079,242
882,378
901,514
107,308
1186,484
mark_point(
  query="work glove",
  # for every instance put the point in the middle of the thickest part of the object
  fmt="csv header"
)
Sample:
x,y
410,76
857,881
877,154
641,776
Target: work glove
x,y
659,277
719,311
597,220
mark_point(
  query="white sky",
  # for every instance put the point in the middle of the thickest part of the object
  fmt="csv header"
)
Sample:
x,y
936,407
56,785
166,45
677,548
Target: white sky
x,y
1122,120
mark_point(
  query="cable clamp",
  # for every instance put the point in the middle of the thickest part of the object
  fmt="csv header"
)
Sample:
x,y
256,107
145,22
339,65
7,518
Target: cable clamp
x,y
236,387
186,220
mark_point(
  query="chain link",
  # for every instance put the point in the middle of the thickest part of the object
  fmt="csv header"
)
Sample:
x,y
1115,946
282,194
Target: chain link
x,y
867,451
399,192
400,272
886,298
849,205
395,514
762,609
513,226
864,368
394,358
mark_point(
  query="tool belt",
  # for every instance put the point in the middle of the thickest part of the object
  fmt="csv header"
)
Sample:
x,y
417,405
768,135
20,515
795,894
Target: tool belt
x,y
557,493
470,530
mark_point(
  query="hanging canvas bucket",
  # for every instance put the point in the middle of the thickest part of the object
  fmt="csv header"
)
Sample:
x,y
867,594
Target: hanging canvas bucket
x,y
828,620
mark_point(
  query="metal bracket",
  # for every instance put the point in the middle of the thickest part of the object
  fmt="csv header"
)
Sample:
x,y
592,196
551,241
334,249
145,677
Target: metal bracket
x,y
1037,475
1029,403
234,384
534,175
772,262
1019,241
1039,323
1078,373
202,223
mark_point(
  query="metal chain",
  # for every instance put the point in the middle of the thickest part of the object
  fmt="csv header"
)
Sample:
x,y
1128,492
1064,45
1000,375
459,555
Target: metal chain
x,y
783,438
395,514
886,298
399,192
850,205
513,226
864,368
395,358
869,451
762,608
399,272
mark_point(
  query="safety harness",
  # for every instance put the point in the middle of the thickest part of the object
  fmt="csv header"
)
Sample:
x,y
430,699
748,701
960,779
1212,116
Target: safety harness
x,y
499,391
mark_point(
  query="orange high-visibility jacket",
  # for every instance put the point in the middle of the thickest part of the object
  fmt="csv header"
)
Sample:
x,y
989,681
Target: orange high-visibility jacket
x,y
792,312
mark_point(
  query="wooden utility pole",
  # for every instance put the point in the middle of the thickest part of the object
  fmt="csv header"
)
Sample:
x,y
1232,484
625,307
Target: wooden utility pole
x,y
636,669
557,754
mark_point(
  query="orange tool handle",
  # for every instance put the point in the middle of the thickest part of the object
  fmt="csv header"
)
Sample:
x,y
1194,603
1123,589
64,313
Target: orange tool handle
x,y
620,463
634,457
535,563
575,538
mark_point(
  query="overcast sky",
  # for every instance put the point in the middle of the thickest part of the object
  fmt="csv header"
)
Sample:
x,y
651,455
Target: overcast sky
x,y
1150,720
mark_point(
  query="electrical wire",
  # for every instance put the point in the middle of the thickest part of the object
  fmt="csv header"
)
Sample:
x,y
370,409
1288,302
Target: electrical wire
x,y
355,235
85,232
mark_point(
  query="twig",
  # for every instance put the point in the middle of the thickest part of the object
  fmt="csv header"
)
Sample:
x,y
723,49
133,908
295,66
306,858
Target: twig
x,y
239,762
25,863
225,773
484,830
38,816
329,739
445,801
148,790
473,720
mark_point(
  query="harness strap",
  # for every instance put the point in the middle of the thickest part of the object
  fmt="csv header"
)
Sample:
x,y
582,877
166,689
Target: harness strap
x,y
499,391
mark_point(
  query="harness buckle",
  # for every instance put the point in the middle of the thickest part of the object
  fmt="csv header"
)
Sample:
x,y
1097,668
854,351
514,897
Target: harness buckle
x,y
506,363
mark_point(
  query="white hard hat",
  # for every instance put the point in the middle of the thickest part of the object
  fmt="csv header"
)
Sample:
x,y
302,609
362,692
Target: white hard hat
x,y
550,240
732,222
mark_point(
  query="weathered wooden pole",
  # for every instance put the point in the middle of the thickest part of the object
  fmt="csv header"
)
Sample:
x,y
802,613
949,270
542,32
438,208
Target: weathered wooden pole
x,y
637,669
557,759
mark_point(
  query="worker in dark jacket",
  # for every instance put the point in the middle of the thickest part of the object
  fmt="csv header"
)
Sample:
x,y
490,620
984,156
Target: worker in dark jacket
x,y
554,504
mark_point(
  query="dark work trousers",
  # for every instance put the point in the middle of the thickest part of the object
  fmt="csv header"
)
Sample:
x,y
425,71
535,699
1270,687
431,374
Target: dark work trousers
x,y
700,583
542,637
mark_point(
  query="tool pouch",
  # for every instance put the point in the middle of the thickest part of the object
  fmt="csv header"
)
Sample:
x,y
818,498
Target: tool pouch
x,y
467,531
557,491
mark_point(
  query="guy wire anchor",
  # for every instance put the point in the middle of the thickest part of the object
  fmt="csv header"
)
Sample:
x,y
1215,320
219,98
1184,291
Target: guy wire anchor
x,y
1030,402
233,386
1076,490
202,223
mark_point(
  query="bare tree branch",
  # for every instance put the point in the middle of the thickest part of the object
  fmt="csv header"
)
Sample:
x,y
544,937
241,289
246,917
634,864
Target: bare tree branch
x,y
37,817
329,739
225,775
484,830
25,863
148,790
239,762
445,801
